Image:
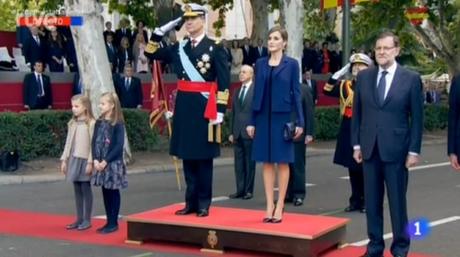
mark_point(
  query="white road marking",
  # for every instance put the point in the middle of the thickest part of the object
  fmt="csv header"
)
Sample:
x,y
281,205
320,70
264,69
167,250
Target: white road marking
x,y
428,166
309,185
219,198
345,177
390,235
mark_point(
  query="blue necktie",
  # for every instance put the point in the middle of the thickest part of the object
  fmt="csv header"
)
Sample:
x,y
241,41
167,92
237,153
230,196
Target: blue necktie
x,y
127,84
381,86
40,86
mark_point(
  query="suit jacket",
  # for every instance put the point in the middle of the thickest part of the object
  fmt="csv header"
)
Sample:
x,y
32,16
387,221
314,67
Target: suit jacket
x,y
119,35
112,54
255,55
33,51
313,90
247,57
285,86
131,97
241,113
453,135
308,113
77,85
122,58
30,92
396,126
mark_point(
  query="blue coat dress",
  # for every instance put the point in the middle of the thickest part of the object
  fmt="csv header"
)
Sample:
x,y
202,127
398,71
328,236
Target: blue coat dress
x,y
276,96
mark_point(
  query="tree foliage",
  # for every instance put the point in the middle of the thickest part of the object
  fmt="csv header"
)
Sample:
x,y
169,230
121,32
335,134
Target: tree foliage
x,y
429,50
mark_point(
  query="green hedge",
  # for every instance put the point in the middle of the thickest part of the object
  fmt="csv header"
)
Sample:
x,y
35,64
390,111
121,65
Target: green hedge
x,y
42,133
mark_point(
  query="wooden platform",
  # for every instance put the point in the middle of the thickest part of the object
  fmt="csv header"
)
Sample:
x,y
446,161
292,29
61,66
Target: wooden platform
x,y
298,235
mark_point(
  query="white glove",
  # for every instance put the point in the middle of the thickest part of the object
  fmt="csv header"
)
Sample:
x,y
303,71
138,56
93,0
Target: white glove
x,y
168,115
219,119
341,72
167,27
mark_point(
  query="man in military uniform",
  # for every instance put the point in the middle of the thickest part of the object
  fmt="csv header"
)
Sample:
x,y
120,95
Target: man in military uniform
x,y
202,94
343,89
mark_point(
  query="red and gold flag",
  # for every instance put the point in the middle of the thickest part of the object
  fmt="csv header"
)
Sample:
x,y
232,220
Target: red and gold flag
x,y
329,4
157,95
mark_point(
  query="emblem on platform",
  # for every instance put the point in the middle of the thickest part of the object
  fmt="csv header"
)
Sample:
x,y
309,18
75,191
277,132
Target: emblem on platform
x,y
212,238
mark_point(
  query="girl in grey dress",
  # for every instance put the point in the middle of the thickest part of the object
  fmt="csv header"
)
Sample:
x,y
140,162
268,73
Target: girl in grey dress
x,y
77,161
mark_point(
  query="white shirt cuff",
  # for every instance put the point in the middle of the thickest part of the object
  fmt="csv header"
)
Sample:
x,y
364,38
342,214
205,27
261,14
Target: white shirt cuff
x,y
356,147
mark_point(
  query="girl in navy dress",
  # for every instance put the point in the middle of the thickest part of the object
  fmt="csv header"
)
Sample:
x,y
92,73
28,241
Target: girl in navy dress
x,y
276,96
55,52
110,170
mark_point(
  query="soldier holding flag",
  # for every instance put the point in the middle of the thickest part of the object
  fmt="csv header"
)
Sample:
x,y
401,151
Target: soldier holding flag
x,y
202,95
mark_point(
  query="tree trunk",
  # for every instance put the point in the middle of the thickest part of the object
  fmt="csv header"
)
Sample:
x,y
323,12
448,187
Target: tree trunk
x,y
93,63
294,15
260,20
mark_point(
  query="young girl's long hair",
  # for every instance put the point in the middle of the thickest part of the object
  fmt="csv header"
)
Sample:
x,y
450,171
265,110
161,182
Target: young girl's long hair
x,y
84,100
117,114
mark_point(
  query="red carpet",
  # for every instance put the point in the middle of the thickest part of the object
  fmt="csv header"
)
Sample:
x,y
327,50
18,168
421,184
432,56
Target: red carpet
x,y
52,226
293,225
352,251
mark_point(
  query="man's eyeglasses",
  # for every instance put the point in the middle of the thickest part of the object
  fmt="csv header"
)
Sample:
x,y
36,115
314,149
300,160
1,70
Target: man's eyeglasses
x,y
384,48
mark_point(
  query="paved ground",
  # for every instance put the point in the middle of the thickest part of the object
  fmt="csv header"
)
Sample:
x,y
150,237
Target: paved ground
x,y
433,192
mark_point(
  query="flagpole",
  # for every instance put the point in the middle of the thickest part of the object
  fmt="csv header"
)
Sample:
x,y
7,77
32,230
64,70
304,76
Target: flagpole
x,y
156,72
346,47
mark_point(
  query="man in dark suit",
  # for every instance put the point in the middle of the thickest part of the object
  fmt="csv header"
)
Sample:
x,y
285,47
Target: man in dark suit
x,y
258,51
227,52
245,167
123,31
34,48
311,86
77,85
453,136
387,125
202,95
247,49
129,89
108,30
111,52
296,187
37,89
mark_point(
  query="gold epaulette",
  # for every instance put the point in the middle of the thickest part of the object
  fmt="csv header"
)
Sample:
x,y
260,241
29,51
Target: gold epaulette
x,y
222,97
152,47
328,87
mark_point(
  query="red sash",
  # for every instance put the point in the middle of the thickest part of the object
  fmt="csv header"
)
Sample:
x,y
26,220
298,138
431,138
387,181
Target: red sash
x,y
200,87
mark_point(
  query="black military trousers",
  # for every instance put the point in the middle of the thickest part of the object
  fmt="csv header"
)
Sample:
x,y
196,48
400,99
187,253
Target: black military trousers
x,y
296,186
198,177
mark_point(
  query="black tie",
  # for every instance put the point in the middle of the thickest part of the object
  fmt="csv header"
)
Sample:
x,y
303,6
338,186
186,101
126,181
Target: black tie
x,y
40,86
243,92
381,86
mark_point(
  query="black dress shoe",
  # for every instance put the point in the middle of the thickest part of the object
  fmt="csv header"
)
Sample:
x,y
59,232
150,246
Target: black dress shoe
x,y
101,228
247,196
351,208
368,255
298,201
202,213
235,195
108,230
184,211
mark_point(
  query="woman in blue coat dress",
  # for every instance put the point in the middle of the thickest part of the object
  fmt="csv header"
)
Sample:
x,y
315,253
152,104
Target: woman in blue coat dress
x,y
276,96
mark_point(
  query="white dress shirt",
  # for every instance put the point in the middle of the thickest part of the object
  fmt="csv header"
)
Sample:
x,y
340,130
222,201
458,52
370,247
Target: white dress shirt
x,y
388,78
